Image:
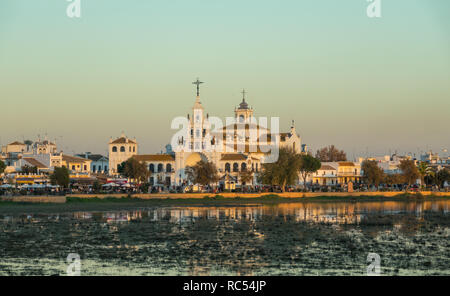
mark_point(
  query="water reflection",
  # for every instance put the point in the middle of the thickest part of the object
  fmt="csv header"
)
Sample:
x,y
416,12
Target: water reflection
x,y
338,213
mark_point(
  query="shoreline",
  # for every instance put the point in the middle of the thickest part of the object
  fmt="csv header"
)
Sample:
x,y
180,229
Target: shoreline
x,y
74,203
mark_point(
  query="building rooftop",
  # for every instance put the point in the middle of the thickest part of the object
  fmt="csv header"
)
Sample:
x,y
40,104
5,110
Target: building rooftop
x,y
68,158
154,157
346,163
326,167
35,162
233,156
16,143
123,140
93,157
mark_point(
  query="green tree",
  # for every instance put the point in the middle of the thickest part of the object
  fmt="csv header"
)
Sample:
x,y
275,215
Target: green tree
x,y
284,171
246,176
409,171
96,187
331,153
2,167
424,171
393,179
372,173
308,166
60,177
26,169
443,176
133,169
203,173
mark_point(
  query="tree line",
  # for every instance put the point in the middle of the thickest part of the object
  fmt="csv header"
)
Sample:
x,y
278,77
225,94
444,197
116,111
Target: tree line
x,y
410,173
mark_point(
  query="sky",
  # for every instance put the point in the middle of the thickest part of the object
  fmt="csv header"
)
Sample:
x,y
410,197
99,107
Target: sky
x,y
367,85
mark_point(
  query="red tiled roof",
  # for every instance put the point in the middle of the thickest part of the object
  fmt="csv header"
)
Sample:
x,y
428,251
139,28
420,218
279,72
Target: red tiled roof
x,y
346,163
154,157
123,140
16,143
68,158
34,162
326,167
233,156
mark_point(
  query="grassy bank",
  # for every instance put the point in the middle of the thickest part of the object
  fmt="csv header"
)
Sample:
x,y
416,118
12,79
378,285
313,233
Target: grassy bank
x,y
271,198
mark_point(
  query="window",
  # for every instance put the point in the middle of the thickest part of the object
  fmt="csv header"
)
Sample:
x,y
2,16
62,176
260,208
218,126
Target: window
x,y
241,118
73,168
129,149
235,167
151,168
227,167
168,168
85,167
93,168
134,148
243,166
256,167
122,149
160,168
114,149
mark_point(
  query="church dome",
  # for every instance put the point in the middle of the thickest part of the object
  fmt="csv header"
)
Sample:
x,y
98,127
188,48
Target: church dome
x,y
243,105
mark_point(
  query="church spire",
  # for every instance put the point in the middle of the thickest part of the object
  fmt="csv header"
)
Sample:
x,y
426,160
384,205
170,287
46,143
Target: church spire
x,y
243,95
198,82
197,104
243,105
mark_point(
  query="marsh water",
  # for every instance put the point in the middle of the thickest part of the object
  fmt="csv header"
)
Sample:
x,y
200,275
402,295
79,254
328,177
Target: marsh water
x,y
316,238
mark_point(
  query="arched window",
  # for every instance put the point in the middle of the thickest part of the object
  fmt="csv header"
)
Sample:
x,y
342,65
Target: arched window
x,y
93,168
114,149
227,167
235,167
122,149
134,149
241,118
243,166
168,168
151,168
160,167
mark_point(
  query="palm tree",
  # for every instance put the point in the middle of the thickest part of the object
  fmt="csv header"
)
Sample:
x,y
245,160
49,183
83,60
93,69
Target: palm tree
x,y
424,170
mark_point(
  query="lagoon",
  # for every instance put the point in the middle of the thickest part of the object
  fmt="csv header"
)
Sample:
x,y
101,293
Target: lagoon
x,y
310,238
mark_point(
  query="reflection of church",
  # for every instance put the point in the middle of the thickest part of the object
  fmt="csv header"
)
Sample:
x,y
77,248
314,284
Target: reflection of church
x,y
240,146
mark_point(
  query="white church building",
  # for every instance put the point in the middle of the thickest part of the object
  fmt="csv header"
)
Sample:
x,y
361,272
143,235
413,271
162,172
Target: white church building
x,y
240,146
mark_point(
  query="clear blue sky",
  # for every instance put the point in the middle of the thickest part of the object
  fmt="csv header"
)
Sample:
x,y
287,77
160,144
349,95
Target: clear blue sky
x,y
344,78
